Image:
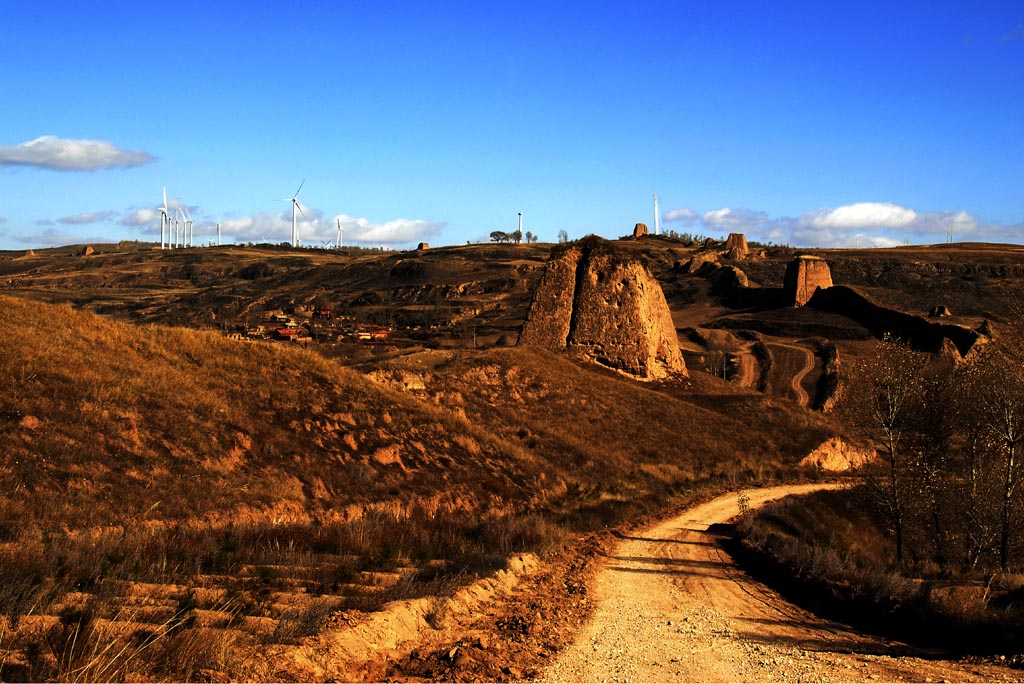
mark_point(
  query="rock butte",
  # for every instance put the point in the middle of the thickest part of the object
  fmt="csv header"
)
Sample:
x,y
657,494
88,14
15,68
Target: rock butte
x,y
804,275
736,247
607,308
640,230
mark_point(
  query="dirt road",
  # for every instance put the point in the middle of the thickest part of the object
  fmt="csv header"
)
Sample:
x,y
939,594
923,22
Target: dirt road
x,y
672,606
796,382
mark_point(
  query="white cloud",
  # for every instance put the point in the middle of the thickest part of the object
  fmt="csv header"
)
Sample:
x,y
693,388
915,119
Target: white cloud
x,y
61,154
391,232
734,220
862,224
141,217
814,237
315,229
151,217
90,217
687,216
724,220
262,227
863,215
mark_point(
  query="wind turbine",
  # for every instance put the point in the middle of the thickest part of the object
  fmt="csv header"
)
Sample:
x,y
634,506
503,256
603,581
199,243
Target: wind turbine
x,y
179,228
189,229
294,199
657,217
341,234
165,222
218,231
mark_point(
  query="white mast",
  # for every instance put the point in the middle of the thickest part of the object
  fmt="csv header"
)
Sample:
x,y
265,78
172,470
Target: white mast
x,y
294,199
520,224
189,229
218,232
657,217
179,228
341,234
165,224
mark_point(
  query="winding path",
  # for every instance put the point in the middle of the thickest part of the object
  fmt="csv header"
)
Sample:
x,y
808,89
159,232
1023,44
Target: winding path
x,y
672,606
796,383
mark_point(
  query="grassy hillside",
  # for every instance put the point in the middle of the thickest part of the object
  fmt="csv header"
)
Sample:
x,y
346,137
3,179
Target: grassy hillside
x,y
217,496
174,481
130,423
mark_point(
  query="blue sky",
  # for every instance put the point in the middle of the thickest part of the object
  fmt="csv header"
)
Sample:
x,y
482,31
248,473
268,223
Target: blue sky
x,y
808,123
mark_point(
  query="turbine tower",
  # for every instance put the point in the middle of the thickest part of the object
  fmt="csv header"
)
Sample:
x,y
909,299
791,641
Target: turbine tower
x,y
341,234
294,199
189,229
165,223
657,217
218,232
179,228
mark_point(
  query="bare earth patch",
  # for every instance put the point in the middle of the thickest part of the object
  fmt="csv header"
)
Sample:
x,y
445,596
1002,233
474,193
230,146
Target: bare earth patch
x,y
671,605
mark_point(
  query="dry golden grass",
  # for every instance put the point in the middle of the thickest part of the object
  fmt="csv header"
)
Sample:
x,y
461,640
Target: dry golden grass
x,y
252,489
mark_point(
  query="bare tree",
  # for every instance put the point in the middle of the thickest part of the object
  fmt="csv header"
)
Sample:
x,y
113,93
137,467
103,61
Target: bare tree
x,y
885,401
1001,413
929,436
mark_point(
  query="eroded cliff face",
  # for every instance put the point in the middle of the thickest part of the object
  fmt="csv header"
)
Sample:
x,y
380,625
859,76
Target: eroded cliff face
x,y
804,275
609,309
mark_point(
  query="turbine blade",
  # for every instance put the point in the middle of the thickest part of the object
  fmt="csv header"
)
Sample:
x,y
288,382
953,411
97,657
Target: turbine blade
x,y
299,206
300,187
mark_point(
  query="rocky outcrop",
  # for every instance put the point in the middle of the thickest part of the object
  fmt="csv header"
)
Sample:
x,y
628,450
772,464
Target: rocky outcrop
x,y
697,261
640,230
804,275
87,251
422,246
939,312
736,247
836,456
606,307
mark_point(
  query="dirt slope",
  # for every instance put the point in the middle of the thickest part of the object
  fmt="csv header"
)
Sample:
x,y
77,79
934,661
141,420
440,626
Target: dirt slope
x,y
672,606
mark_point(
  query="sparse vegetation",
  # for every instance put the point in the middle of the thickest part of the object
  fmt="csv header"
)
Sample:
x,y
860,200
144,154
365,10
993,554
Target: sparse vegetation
x,y
934,532
833,553
174,502
251,489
